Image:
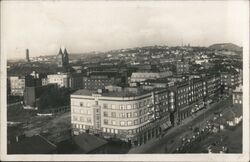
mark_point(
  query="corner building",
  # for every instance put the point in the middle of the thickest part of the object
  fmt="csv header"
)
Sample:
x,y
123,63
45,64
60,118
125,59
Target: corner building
x,y
133,115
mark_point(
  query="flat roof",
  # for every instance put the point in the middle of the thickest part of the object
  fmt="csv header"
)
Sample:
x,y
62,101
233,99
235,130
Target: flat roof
x,y
122,93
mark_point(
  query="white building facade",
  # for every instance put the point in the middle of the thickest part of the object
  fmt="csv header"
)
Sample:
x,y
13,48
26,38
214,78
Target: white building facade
x,y
61,79
131,118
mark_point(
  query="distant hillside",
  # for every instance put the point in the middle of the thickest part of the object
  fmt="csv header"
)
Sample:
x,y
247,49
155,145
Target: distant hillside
x,y
226,46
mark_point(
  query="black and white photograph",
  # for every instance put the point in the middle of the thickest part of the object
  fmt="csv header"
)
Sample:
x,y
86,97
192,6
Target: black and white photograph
x,y
125,80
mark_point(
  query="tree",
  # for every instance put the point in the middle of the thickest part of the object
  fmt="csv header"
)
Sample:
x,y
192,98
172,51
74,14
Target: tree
x,y
54,97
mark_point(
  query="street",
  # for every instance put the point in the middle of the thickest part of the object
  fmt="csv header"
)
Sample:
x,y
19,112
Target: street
x,y
172,138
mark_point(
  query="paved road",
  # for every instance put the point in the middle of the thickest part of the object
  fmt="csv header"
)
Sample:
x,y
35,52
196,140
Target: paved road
x,y
172,138
232,138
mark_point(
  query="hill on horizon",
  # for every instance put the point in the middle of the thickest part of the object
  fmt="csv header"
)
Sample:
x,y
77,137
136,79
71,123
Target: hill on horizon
x,y
226,46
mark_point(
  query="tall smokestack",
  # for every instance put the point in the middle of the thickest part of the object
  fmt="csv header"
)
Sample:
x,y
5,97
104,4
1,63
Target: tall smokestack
x,y
27,55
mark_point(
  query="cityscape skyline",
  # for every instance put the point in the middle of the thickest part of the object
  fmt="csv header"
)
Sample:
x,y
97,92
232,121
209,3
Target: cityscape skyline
x,y
116,25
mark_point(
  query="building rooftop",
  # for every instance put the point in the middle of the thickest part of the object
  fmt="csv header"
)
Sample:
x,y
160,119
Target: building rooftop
x,y
127,92
88,143
31,145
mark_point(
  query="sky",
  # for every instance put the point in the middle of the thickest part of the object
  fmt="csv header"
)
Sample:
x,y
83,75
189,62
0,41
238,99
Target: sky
x,y
83,26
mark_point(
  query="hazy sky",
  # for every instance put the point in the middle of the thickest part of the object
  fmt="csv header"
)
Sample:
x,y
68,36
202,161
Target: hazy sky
x,y
83,26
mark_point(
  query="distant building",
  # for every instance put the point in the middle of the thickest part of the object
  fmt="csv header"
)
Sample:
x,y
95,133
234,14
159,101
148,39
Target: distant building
x,y
32,94
63,58
76,81
93,68
78,68
17,85
100,80
230,80
61,79
213,86
237,95
132,114
27,55
182,67
142,76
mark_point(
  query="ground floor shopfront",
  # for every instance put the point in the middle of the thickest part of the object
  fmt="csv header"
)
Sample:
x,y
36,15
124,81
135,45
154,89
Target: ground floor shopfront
x,y
140,136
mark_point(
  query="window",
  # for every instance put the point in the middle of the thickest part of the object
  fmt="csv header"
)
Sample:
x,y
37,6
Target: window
x,y
135,114
105,106
81,104
105,113
112,106
141,120
88,112
122,123
89,120
116,131
129,115
122,115
129,107
136,122
105,121
129,122
122,107
140,112
113,122
113,114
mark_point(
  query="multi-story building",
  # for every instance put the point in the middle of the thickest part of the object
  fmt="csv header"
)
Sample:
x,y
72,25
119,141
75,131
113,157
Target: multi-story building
x,y
182,102
237,95
32,94
17,85
213,83
76,81
182,67
142,76
100,80
61,79
130,114
230,80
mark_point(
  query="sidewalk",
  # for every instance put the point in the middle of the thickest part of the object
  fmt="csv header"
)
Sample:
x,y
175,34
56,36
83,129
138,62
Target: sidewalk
x,y
182,129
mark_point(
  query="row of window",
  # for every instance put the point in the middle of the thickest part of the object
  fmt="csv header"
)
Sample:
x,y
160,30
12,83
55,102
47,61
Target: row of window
x,y
128,106
126,115
82,119
126,123
108,130
82,111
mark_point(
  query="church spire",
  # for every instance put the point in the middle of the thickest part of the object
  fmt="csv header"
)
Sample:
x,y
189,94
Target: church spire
x,y
60,52
65,51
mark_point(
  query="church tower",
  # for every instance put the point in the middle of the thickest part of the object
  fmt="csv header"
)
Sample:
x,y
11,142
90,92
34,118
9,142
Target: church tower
x,y
60,58
66,58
